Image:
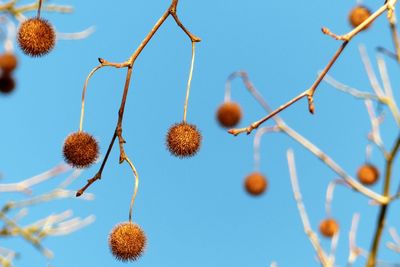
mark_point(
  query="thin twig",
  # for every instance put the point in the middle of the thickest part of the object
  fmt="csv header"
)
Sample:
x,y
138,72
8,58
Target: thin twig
x,y
309,145
172,10
309,93
303,213
371,262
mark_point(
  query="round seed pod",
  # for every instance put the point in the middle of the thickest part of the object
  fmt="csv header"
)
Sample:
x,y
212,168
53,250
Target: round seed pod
x,y
8,62
127,241
328,227
80,149
229,114
368,174
183,140
36,37
7,83
255,183
357,16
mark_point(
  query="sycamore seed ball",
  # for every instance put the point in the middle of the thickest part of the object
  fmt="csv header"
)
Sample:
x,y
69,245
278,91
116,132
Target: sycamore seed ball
x,y
183,140
358,15
255,183
127,241
36,37
7,83
229,114
8,62
328,227
368,174
80,150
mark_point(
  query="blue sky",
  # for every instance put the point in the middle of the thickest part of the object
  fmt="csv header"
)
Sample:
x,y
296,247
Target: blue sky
x,y
195,211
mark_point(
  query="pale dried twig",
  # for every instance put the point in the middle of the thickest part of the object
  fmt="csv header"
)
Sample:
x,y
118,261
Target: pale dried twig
x,y
303,214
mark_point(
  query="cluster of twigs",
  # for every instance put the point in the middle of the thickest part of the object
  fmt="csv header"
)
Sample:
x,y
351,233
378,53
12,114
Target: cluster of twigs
x,y
55,224
129,64
383,96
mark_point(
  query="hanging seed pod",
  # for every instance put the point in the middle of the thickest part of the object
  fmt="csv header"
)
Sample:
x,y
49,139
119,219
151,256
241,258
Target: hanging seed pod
x,y
36,37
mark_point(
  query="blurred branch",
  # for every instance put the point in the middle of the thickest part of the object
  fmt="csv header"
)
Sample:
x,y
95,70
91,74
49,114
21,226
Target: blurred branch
x,y
384,206
303,213
309,93
355,185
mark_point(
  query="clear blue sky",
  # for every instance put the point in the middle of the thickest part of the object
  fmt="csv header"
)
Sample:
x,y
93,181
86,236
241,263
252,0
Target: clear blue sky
x,y
195,211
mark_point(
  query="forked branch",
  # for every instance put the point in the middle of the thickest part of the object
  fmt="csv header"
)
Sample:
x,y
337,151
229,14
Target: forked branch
x,y
309,93
172,10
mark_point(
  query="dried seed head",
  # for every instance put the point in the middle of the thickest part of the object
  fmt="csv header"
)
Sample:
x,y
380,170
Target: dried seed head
x,y
368,174
255,183
183,140
7,83
229,114
127,241
328,227
80,149
358,14
36,37
8,62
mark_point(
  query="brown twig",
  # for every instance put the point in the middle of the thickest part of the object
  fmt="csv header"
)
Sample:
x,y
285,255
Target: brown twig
x,y
351,182
371,262
309,93
172,10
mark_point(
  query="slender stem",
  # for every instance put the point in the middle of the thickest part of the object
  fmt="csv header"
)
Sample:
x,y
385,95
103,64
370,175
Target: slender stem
x,y
371,262
39,8
189,82
303,213
84,94
135,173
395,36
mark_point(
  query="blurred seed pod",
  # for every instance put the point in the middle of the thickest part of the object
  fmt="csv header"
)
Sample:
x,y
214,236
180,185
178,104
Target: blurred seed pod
x,y
7,83
368,174
358,15
229,114
328,227
8,62
255,183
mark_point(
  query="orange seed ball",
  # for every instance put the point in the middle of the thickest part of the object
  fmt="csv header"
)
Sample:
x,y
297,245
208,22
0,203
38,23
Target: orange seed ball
x,y
8,62
36,37
328,227
368,174
127,241
358,15
183,140
255,183
80,149
229,114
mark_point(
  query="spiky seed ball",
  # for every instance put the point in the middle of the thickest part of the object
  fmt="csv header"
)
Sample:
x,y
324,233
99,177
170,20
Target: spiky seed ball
x,y
127,241
7,83
36,37
80,149
183,140
255,183
8,62
229,114
328,227
368,174
358,14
